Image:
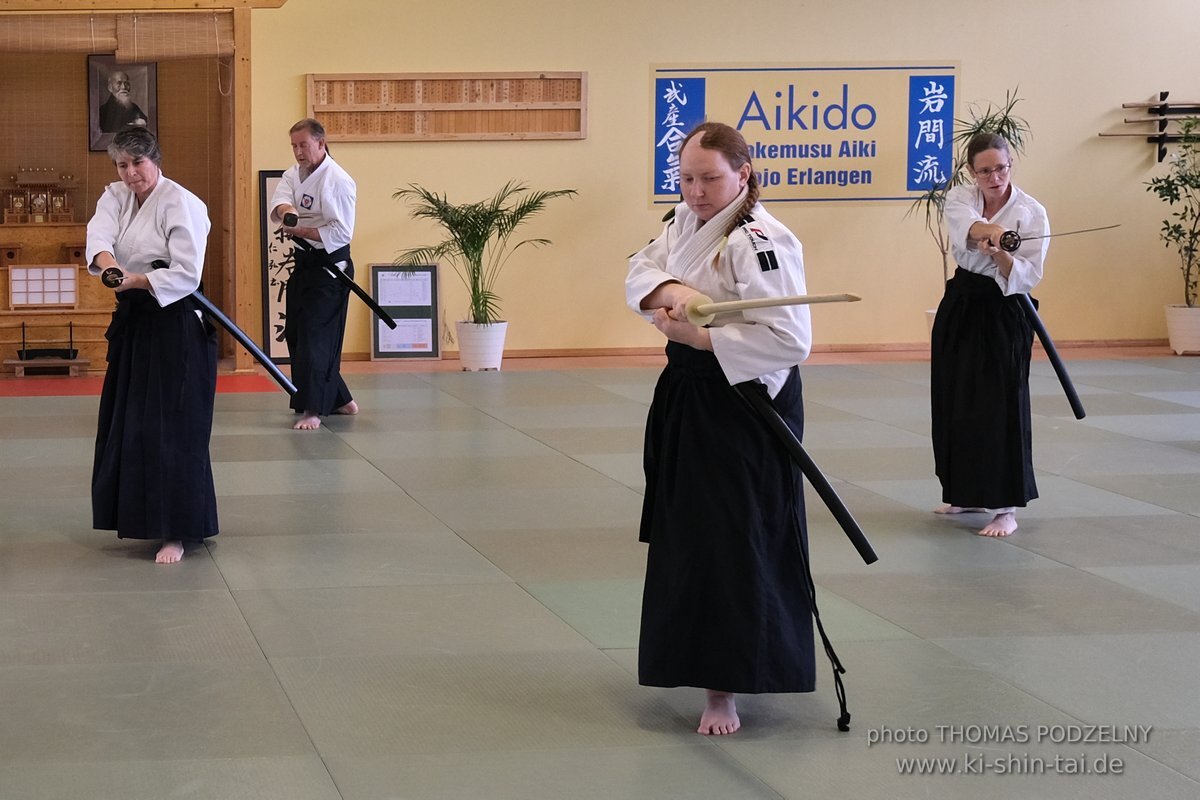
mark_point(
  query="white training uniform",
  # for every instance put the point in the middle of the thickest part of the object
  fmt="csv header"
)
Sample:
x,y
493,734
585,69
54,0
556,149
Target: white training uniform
x,y
324,200
171,226
152,474
1023,214
761,258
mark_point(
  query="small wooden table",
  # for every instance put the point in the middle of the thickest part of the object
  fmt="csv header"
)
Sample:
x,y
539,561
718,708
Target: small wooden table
x,y
72,365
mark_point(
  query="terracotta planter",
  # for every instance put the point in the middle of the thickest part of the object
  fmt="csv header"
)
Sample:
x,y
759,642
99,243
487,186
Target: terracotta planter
x,y
1183,329
480,347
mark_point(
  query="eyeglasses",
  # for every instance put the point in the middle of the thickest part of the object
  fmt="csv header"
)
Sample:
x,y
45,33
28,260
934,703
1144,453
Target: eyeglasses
x,y
988,172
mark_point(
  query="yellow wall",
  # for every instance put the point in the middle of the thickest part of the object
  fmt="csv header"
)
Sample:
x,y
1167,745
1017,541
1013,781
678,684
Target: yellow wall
x,y
1075,63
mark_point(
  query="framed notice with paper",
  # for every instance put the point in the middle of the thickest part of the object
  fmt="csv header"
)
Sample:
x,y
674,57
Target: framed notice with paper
x,y
410,295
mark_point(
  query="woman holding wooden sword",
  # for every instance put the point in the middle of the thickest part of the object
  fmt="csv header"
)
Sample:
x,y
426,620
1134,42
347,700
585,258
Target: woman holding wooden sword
x,y
724,606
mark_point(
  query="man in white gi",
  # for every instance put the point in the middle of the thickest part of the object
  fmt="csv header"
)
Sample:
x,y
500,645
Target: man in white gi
x,y
321,195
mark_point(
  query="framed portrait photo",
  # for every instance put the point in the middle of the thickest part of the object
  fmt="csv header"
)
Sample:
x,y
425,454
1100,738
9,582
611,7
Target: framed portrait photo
x,y
119,95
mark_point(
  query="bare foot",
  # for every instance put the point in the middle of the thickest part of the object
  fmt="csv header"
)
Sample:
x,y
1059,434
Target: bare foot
x,y
170,553
720,714
308,422
349,408
949,509
1002,525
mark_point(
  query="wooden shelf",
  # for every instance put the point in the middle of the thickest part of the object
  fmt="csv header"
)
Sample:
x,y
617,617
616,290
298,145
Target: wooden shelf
x,y
71,365
448,106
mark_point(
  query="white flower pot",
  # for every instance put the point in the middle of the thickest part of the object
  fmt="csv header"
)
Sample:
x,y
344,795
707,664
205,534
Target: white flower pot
x,y
480,347
1183,329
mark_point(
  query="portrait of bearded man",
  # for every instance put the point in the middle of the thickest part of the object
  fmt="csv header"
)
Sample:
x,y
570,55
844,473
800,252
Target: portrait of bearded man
x,y
119,110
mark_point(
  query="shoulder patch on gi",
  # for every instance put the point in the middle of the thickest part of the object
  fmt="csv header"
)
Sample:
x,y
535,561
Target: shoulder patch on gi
x,y
761,244
766,260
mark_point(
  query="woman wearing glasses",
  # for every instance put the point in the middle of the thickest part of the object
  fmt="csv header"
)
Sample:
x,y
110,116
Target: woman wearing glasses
x,y
982,339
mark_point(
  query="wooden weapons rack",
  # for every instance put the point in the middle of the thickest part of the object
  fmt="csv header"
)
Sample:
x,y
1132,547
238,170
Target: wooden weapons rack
x,y
1161,113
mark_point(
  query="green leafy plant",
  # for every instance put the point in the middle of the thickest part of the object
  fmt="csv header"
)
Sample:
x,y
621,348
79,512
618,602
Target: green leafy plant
x,y
479,237
990,119
1180,188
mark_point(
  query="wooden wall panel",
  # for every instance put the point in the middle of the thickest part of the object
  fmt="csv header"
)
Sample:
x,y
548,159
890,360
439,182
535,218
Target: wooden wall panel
x,y
448,106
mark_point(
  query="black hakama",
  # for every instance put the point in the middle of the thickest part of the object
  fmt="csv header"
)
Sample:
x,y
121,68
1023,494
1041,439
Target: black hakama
x,y
982,437
724,605
152,477
316,307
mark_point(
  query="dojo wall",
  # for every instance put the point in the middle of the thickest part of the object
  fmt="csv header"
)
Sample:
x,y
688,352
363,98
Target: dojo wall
x,y
1075,63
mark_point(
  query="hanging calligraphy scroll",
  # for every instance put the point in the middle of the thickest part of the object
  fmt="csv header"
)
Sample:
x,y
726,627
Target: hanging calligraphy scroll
x,y
277,267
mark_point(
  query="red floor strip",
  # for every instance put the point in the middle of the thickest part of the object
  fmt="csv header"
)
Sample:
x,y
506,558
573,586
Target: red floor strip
x,y
64,386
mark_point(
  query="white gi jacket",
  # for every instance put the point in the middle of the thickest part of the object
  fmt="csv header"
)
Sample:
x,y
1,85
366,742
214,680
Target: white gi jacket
x,y
172,226
761,258
325,201
964,207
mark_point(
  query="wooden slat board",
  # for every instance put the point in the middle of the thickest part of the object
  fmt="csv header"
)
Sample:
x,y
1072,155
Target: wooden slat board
x,y
392,107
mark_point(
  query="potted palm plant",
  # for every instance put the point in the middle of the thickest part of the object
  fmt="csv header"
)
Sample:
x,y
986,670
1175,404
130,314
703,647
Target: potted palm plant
x,y
931,205
1180,189
478,244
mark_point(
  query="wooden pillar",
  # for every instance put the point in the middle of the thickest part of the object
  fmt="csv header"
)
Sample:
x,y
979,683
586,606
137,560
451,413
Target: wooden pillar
x,y
247,281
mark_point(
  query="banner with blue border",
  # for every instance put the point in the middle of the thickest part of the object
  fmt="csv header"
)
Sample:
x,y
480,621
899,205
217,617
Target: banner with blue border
x,y
930,131
817,133
678,107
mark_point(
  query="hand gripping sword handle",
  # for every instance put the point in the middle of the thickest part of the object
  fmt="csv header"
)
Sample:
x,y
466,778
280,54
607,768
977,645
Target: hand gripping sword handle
x,y
1010,241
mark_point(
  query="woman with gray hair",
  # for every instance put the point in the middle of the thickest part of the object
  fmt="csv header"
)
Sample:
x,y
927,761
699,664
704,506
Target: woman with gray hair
x,y
152,477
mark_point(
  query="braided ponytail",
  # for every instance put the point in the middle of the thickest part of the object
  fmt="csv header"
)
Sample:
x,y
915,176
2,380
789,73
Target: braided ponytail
x,y
752,192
